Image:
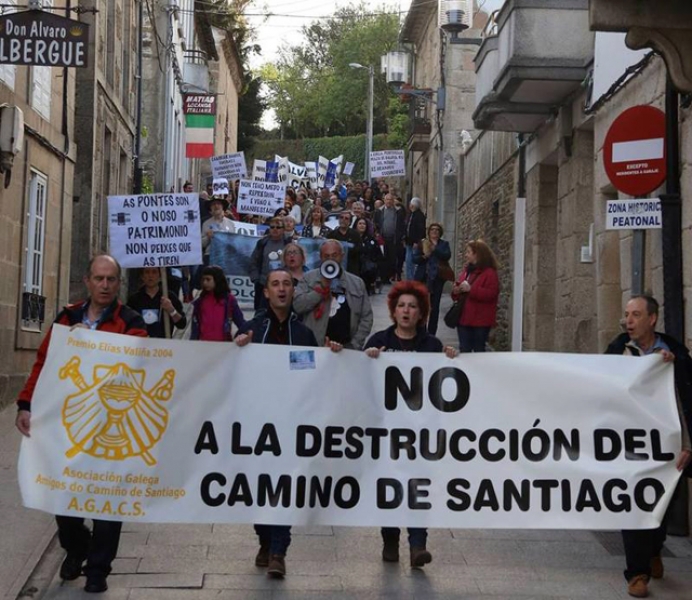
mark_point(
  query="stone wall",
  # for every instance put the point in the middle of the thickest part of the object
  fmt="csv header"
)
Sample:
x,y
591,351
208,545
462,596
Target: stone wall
x,y
488,214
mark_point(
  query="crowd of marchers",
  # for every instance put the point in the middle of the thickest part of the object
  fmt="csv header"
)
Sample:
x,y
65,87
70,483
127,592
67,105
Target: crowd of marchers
x,y
390,246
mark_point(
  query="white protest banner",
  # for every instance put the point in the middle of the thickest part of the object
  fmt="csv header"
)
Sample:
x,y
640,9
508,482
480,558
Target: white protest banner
x,y
558,441
311,173
296,175
259,170
220,186
155,230
230,166
251,229
642,213
322,166
387,163
261,198
348,168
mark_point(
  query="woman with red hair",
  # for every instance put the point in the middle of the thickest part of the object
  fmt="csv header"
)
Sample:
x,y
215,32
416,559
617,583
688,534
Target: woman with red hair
x,y
409,306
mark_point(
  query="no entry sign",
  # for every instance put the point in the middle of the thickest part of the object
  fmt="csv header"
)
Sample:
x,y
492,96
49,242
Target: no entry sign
x,y
634,152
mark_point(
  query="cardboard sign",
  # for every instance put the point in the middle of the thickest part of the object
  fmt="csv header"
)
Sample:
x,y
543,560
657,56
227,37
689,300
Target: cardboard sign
x,y
220,186
387,163
155,230
230,166
261,198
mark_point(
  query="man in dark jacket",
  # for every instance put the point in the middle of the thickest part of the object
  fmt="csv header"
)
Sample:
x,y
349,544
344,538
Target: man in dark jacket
x,y
104,312
415,232
344,233
390,223
265,257
643,547
278,324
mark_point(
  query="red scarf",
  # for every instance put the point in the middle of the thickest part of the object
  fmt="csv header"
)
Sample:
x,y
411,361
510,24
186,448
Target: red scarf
x,y
325,294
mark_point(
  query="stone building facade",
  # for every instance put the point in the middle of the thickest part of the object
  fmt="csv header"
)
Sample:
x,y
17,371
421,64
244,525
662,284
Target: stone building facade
x,y
105,112
35,215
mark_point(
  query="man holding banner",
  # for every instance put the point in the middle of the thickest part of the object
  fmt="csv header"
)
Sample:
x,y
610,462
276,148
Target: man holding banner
x,y
104,312
643,546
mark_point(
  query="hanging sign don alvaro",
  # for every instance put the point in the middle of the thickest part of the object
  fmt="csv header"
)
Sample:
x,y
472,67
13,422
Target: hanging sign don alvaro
x,y
38,38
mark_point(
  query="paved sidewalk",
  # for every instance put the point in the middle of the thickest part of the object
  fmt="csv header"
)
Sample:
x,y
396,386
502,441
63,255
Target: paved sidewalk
x,y
200,562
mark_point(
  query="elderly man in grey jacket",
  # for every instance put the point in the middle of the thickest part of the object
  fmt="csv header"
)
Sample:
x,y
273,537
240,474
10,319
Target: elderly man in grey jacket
x,y
337,309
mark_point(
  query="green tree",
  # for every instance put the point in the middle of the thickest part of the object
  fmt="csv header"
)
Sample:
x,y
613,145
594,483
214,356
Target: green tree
x,y
311,87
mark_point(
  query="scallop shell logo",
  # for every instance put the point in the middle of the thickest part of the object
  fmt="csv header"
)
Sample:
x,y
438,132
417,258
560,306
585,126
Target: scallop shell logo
x,y
115,417
76,30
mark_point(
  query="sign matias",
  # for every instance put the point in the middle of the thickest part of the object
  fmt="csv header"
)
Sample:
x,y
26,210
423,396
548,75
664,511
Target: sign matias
x,y
39,38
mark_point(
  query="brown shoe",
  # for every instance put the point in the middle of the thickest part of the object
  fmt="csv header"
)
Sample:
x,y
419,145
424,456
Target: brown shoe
x,y
262,558
390,551
656,567
420,557
277,566
638,586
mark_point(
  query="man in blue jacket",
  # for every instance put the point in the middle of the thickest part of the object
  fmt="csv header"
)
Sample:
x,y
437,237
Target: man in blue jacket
x,y
278,324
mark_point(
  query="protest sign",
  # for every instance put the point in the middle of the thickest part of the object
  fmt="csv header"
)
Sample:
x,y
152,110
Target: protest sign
x,y
296,175
272,171
330,176
338,161
322,165
416,439
155,230
230,166
261,198
220,186
348,168
282,168
387,163
311,174
259,170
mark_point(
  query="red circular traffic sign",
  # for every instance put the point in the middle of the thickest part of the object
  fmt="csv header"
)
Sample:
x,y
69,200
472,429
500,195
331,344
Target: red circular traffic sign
x,y
634,152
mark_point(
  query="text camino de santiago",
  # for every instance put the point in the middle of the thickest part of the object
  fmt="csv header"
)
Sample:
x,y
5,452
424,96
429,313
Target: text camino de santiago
x,y
463,445
31,49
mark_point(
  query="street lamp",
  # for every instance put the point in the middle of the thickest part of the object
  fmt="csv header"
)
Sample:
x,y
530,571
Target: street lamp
x,y
371,96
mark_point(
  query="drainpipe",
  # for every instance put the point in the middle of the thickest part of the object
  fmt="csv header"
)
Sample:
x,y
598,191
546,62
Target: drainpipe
x,y
519,252
671,233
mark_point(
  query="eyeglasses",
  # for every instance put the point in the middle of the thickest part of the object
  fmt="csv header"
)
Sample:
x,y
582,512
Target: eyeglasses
x,y
292,253
345,217
276,227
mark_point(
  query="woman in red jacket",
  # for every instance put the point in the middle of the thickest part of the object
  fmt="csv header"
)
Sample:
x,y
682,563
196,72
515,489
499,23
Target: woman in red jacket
x,y
479,283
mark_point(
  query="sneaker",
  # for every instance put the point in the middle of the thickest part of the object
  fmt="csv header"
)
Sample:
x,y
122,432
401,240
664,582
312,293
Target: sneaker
x,y
96,584
420,557
638,586
656,567
71,567
277,566
262,558
390,551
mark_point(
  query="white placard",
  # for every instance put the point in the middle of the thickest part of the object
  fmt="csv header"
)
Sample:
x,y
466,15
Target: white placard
x,y
259,170
283,168
251,229
348,168
230,166
322,166
155,230
416,439
387,163
311,173
261,198
220,186
296,175
338,161
644,213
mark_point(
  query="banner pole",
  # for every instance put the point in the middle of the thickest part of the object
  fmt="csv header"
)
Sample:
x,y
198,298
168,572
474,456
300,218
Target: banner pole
x,y
164,293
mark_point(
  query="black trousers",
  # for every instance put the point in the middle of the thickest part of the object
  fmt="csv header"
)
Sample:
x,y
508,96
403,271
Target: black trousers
x,y
389,264
98,547
641,545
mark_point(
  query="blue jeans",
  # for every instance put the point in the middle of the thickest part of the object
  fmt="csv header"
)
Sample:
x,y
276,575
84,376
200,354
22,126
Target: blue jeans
x,y
277,537
409,265
472,339
417,536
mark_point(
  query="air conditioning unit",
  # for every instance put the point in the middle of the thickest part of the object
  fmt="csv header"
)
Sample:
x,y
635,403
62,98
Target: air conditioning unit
x,y
454,16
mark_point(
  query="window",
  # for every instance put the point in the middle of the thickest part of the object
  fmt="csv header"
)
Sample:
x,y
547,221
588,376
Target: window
x,y
35,246
41,79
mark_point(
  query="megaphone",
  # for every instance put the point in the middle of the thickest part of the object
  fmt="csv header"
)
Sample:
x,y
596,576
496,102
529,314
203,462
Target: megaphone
x,y
330,269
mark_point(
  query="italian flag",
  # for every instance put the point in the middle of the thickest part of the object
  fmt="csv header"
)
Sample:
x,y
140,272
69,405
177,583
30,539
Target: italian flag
x,y
199,136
